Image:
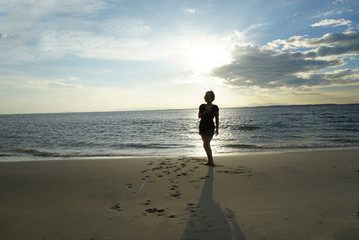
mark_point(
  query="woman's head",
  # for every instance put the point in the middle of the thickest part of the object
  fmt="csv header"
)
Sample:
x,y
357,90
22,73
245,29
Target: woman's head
x,y
209,97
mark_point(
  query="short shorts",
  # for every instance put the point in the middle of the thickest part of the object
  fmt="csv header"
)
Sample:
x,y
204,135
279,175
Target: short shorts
x,y
209,132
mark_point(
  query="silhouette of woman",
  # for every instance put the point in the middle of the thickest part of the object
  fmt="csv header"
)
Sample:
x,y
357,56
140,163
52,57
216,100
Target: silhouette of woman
x,y
206,126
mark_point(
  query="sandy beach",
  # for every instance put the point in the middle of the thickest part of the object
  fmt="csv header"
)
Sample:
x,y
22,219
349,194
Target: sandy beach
x,y
299,195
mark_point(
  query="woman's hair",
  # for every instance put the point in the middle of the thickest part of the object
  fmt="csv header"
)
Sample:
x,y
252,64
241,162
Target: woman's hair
x,y
211,94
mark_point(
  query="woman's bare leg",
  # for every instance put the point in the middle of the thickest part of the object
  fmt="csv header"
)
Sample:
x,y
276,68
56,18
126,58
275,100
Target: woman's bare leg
x,y
207,147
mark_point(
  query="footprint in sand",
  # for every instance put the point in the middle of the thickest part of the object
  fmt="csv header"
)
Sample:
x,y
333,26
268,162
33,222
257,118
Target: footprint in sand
x,y
176,194
239,170
159,212
148,202
116,207
173,187
192,207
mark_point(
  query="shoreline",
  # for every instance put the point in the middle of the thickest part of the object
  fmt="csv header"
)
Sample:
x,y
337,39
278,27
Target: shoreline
x,y
6,159
295,195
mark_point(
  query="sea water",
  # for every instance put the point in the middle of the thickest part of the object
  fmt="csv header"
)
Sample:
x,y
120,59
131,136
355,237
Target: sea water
x,y
175,132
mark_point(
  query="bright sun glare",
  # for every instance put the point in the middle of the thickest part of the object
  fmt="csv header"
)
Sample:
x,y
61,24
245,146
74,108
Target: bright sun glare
x,y
202,59
205,59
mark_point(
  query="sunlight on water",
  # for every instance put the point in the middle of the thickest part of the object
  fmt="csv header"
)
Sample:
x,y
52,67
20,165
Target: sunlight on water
x,y
175,132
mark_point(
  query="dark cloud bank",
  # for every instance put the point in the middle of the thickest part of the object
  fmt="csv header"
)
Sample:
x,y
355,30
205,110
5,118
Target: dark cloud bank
x,y
297,62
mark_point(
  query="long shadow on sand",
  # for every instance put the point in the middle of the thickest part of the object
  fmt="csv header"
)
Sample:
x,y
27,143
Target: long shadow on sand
x,y
207,220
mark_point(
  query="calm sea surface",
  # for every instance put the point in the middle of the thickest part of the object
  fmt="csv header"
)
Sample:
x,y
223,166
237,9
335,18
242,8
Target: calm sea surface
x,y
175,132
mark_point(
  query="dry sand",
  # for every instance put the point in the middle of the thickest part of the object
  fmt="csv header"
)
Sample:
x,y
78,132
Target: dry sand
x,y
303,195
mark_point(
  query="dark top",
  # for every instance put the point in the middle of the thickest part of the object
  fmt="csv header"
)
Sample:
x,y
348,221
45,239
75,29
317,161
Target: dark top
x,y
206,122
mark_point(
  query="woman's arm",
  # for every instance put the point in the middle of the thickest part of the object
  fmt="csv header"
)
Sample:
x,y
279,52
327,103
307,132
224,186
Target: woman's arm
x,y
217,122
201,115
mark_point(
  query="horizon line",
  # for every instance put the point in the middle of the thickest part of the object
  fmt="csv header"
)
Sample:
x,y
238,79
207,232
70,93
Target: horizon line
x,y
174,109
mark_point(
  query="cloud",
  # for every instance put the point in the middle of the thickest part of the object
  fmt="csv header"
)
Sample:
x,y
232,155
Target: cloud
x,y
88,45
253,28
40,9
60,44
339,1
332,23
112,39
121,38
261,67
56,29
72,29
326,14
25,82
57,83
36,31
329,44
338,77
341,38
124,27
293,63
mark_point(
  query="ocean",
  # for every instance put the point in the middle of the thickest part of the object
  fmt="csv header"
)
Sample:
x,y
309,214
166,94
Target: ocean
x,y
26,137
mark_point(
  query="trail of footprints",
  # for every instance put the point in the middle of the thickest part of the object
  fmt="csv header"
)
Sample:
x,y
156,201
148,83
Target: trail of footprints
x,y
171,171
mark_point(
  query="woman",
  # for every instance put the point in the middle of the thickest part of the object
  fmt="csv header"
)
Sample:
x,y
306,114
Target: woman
x,y
206,126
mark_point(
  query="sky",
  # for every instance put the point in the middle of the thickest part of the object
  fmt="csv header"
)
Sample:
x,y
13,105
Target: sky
x,y
114,55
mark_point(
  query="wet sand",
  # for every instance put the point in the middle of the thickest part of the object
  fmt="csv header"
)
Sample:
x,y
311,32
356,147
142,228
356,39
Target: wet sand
x,y
301,195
